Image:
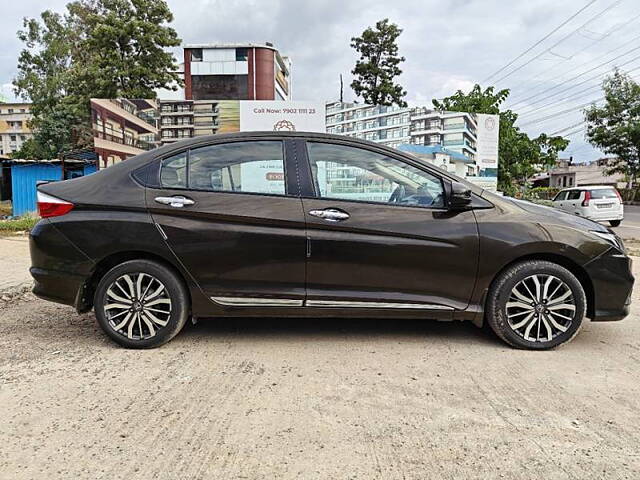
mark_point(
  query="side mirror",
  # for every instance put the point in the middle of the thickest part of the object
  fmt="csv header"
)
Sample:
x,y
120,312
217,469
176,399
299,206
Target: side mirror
x,y
459,196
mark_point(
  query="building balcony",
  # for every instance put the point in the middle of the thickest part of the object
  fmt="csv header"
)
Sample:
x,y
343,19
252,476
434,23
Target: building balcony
x,y
187,111
177,125
126,140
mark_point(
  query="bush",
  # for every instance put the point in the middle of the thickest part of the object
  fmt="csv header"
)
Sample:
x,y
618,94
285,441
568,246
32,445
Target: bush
x,y
19,224
541,193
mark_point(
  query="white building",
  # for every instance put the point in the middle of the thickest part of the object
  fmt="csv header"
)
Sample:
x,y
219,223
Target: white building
x,y
394,126
14,130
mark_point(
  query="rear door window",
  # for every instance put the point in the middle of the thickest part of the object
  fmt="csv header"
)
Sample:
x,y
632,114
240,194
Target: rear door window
x,y
574,195
252,167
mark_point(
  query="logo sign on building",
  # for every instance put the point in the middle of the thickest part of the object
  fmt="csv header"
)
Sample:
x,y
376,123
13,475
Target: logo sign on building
x,y
487,151
257,115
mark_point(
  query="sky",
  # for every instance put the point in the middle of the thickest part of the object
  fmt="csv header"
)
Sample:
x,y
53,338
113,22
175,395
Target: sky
x,y
551,54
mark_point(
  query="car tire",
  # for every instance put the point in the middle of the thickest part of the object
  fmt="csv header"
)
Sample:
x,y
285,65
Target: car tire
x,y
527,312
615,223
141,304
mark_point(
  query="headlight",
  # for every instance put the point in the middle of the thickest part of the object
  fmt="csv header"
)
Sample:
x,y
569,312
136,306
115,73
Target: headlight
x,y
611,238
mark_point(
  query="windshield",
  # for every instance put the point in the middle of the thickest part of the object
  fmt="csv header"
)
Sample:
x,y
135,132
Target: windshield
x,y
603,193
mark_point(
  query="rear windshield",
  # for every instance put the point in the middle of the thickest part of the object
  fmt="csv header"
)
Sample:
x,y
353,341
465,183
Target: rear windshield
x,y
603,193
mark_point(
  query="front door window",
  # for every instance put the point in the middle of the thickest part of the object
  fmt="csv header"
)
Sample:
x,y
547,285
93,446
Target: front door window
x,y
356,174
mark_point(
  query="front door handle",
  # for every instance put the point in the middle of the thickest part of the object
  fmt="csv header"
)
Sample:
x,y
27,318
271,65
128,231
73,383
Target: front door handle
x,y
330,214
176,202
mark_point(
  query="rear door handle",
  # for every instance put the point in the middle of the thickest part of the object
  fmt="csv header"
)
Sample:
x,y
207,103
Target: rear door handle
x,y
176,202
330,214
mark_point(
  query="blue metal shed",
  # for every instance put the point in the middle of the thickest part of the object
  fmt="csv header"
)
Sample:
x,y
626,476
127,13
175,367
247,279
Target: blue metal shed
x,y
23,184
25,175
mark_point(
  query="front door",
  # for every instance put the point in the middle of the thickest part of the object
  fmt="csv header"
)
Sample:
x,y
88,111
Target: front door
x,y
231,219
380,233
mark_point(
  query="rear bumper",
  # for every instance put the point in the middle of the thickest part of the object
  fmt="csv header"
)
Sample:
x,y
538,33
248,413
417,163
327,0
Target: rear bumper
x,y
58,268
59,287
612,281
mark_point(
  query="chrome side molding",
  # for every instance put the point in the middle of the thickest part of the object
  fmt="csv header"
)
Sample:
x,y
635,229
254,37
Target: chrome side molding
x,y
290,302
355,304
257,302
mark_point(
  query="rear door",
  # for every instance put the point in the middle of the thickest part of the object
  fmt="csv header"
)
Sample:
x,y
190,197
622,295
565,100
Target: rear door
x,y
573,203
381,236
233,219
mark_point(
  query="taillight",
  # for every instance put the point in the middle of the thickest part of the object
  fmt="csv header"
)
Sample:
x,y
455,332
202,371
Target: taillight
x,y
587,197
49,206
618,194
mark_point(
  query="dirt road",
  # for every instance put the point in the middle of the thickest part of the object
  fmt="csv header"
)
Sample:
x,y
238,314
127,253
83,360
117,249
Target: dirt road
x,y
348,399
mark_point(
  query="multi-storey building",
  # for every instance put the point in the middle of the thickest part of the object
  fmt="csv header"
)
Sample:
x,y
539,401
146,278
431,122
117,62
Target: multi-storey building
x,y
456,131
123,128
236,71
393,126
14,130
191,118
386,125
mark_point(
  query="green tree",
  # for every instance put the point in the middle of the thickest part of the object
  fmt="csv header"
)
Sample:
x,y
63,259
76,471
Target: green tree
x,y
377,67
97,49
520,157
614,128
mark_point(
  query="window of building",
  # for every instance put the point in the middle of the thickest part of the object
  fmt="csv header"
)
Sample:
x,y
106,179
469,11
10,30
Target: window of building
x,y
220,87
357,174
242,54
13,138
10,110
196,55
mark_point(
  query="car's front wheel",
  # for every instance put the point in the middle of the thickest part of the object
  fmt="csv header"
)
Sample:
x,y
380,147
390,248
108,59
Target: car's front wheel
x,y
536,305
141,304
615,223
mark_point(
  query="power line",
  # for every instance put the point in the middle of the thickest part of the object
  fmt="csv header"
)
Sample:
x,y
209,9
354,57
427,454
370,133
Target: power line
x,y
590,62
575,96
567,128
617,2
540,41
578,76
560,113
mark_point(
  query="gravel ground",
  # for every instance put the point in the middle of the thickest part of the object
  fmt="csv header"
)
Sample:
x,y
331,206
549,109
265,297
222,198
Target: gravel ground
x,y
350,399
14,263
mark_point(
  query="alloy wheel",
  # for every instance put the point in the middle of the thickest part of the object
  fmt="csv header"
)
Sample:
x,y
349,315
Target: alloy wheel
x,y
540,308
137,305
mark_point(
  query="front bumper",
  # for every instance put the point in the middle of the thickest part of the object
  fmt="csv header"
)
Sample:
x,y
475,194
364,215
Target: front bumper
x,y
612,281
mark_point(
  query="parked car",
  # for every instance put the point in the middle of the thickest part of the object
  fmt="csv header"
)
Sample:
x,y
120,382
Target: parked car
x,y
597,203
275,224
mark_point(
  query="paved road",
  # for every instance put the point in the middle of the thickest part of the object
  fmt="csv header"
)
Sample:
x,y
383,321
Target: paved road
x,y
630,227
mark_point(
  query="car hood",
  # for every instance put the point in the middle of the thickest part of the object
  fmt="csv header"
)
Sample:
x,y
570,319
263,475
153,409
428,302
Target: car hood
x,y
558,216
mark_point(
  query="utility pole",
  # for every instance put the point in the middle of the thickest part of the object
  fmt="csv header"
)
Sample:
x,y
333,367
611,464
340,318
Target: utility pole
x,y
341,89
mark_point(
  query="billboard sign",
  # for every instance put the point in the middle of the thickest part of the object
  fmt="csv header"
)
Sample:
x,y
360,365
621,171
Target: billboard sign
x,y
256,115
487,151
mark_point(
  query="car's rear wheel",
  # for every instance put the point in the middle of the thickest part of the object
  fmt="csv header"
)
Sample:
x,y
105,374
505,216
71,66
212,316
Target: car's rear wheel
x,y
536,305
615,223
141,304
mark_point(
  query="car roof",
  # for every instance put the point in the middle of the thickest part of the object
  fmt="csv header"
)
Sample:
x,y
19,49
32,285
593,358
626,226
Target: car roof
x,y
588,187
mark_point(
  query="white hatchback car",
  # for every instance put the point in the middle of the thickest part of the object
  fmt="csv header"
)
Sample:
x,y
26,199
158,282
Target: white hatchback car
x,y
598,203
